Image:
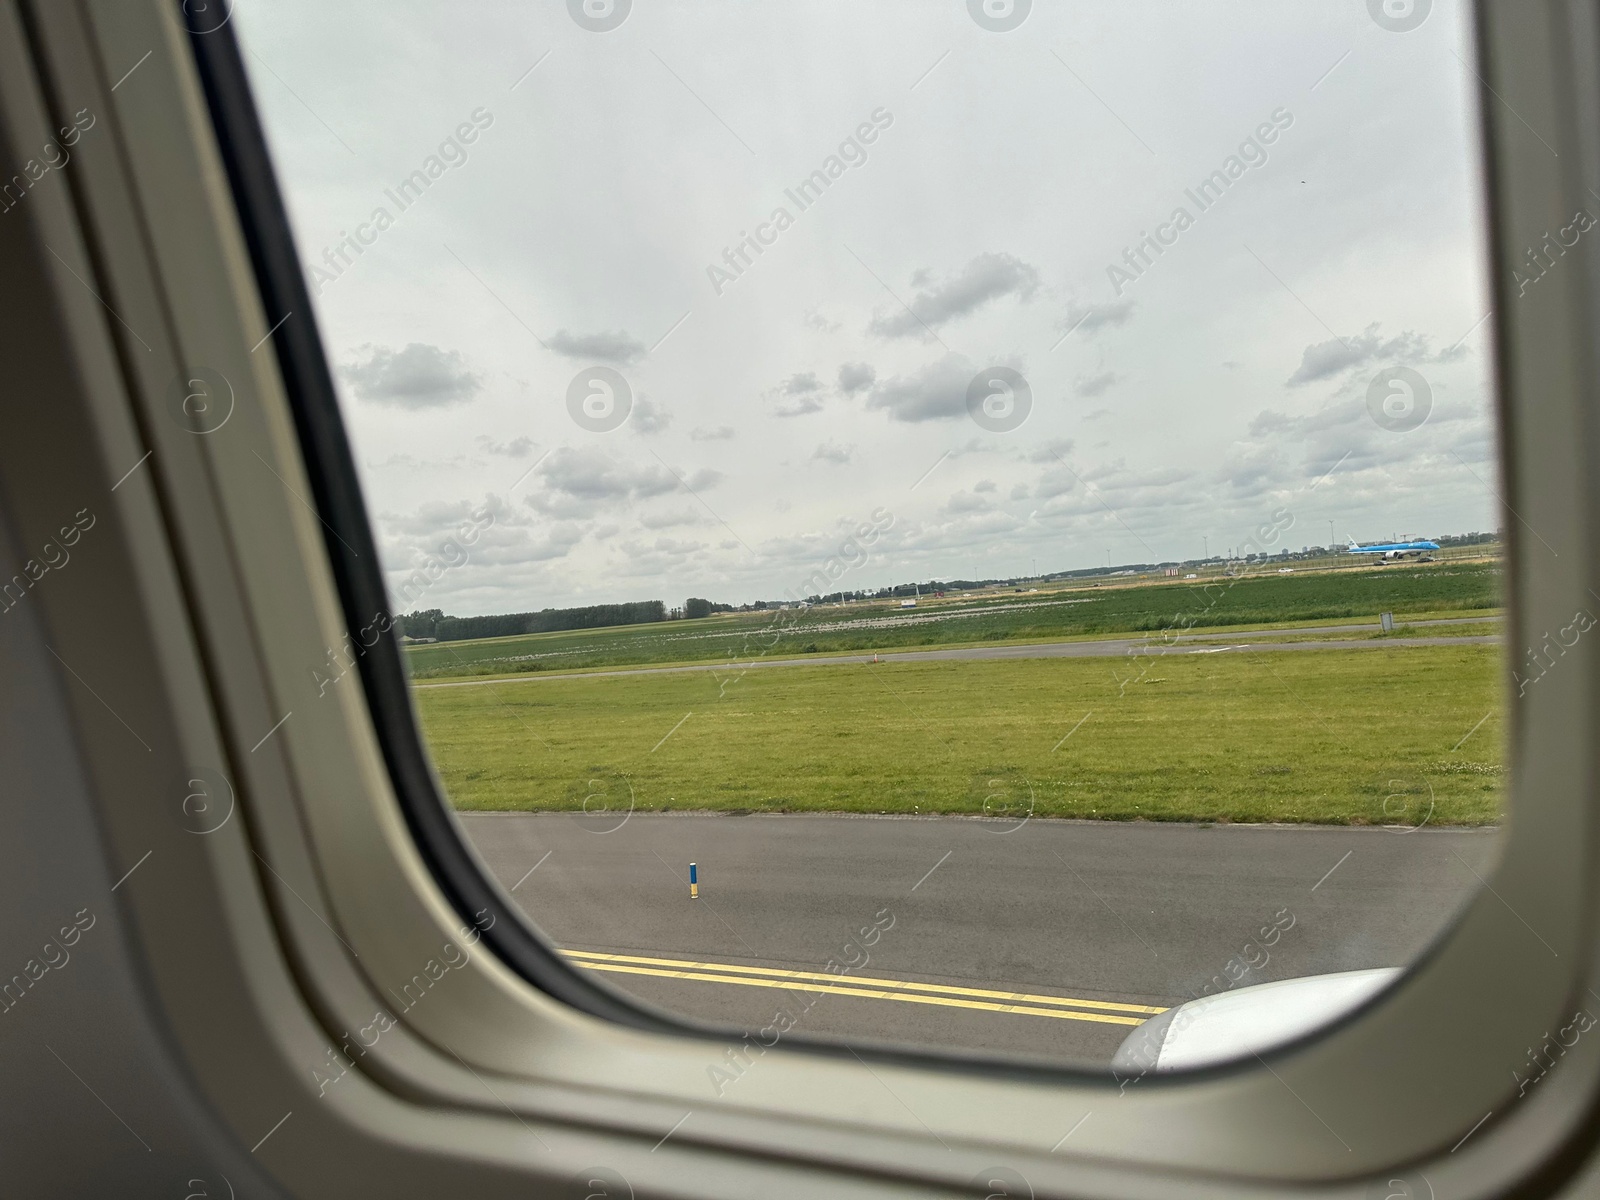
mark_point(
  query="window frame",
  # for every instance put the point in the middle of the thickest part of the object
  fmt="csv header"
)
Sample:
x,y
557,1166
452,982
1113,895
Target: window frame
x,y
240,588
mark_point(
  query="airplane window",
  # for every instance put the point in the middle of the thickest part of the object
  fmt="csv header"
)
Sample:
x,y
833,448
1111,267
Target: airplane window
x,y
971,525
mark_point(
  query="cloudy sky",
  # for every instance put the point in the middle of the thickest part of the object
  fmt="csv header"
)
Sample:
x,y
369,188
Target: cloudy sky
x,y
579,245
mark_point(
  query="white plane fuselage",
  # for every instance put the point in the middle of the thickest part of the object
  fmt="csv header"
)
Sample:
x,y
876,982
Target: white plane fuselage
x,y
1393,550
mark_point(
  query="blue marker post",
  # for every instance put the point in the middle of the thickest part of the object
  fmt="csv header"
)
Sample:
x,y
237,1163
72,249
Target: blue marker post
x,y
694,882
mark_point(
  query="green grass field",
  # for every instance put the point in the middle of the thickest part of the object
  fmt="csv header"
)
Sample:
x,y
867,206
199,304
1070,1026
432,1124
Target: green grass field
x,y
1214,602
1342,736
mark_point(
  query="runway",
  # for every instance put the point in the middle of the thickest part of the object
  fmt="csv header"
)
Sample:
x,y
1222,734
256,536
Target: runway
x,y
1107,648
1050,939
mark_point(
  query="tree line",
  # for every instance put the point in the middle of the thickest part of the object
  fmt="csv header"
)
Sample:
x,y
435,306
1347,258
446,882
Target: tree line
x,y
433,623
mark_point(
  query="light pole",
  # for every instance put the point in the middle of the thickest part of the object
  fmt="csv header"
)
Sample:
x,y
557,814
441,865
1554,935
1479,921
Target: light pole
x,y
1207,542
1331,538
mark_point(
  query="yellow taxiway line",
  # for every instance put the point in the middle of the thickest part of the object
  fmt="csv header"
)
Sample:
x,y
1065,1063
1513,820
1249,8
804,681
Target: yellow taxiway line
x,y
865,987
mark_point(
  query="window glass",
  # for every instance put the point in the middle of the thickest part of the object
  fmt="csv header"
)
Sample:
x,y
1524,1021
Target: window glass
x,y
961,524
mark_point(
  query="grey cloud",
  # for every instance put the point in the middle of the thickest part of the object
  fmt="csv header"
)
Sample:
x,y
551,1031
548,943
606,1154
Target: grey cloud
x,y
965,527
798,395
1090,318
810,546
575,481
1117,492
1052,451
1342,432
552,540
616,347
962,502
435,519
856,377
816,320
1270,421
705,477
1057,481
984,485
509,546
1336,416
1249,471
720,434
409,462
669,519
519,447
419,376
593,474
648,417
1325,360
833,453
676,546
1094,385
660,555
507,537
798,408
988,277
1097,414
937,392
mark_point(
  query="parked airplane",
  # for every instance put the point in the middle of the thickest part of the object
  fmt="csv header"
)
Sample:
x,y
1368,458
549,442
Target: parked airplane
x,y
1393,550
